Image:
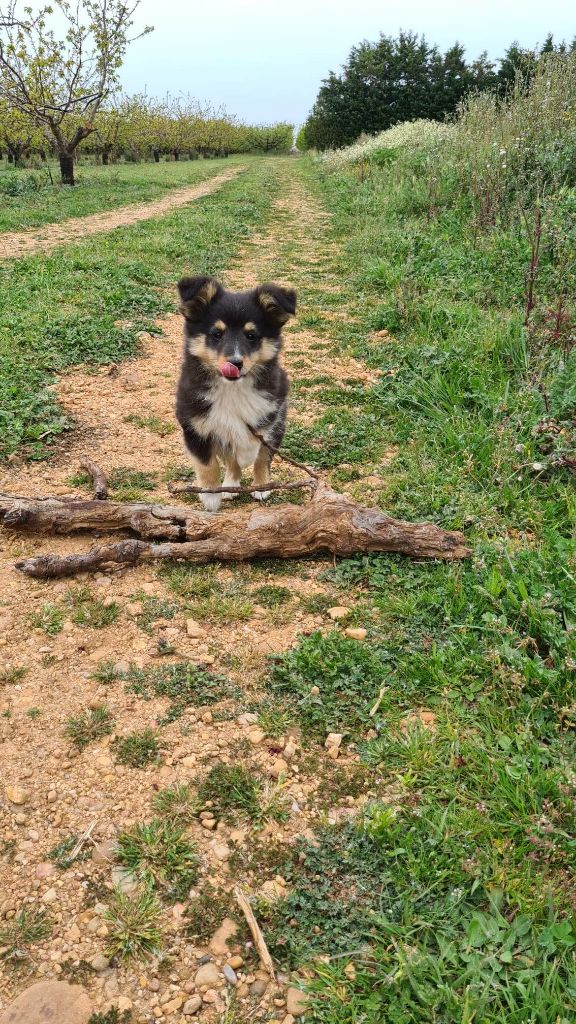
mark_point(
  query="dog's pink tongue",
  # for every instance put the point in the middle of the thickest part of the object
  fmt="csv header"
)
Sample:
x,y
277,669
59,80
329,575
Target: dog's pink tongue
x,y
230,371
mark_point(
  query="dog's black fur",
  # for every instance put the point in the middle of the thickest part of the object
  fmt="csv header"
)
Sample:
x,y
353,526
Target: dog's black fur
x,y
215,412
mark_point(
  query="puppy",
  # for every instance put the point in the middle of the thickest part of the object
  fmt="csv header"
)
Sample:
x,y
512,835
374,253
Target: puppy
x,y
232,380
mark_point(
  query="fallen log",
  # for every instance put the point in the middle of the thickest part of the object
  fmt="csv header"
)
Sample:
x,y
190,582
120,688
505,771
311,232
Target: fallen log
x,y
99,478
329,522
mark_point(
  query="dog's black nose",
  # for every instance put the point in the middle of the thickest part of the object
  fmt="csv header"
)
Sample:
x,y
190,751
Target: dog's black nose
x,y
237,362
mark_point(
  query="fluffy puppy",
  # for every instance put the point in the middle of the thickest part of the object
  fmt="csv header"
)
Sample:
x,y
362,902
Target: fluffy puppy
x,y
232,380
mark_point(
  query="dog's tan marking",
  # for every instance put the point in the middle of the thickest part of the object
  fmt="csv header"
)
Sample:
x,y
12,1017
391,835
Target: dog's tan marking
x,y
220,325
201,300
249,327
197,346
268,303
267,351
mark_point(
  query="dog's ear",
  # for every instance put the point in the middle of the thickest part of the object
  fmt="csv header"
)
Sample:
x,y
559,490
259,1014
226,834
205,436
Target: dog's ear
x,y
278,303
196,294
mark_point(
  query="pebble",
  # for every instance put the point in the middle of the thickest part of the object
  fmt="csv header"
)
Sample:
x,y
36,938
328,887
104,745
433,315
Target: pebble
x,y
290,748
338,612
104,853
256,736
219,942
20,818
230,975
194,629
258,987
356,632
207,975
124,880
191,1006
333,739
221,851
17,795
279,767
248,718
99,963
45,870
49,896
296,1002
209,823
235,962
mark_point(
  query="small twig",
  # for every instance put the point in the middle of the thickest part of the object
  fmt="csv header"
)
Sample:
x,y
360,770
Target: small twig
x,y
284,458
193,489
374,709
256,932
83,838
99,478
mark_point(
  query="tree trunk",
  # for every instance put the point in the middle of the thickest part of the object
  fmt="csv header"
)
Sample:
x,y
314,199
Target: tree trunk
x,y
67,168
176,154
10,157
156,156
330,522
106,156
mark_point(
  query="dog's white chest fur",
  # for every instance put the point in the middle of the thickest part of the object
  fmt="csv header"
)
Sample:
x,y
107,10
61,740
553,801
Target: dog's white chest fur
x,y
235,405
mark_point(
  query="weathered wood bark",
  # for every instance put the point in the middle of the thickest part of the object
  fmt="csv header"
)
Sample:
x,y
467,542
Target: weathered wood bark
x,y
99,478
330,522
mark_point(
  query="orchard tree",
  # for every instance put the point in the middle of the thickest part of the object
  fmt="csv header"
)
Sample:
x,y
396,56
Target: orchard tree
x,y
60,79
18,133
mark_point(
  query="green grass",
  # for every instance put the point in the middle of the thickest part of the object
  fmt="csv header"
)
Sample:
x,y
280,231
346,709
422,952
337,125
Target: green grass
x,y
49,619
87,610
30,200
91,725
234,793
13,674
184,683
208,597
30,925
137,749
452,901
347,675
159,854
60,855
177,804
104,290
134,925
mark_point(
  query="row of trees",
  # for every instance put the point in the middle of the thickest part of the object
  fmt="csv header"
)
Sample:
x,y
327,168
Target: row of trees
x,y
395,80
142,128
59,91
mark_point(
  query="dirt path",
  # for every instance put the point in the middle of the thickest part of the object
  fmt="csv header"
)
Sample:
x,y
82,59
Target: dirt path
x,y
125,419
23,243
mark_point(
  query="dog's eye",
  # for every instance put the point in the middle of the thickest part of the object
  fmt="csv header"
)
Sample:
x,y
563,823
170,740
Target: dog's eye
x,y
251,335
217,335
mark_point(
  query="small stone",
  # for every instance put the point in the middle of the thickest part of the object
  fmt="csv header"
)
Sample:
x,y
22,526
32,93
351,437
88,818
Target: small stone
x,y
221,851
315,690
17,795
104,853
174,1004
296,1002
256,736
248,718
235,962
49,896
207,975
124,1004
20,818
124,880
279,767
191,1006
288,1019
230,975
258,987
338,612
219,942
189,761
356,632
154,984
209,823
333,739
194,629
52,797
45,870
290,748
99,963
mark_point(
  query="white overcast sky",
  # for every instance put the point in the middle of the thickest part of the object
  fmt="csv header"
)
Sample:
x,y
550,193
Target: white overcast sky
x,y
265,61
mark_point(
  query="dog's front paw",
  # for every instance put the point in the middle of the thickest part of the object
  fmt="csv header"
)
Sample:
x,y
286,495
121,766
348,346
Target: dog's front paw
x,y
261,495
211,502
